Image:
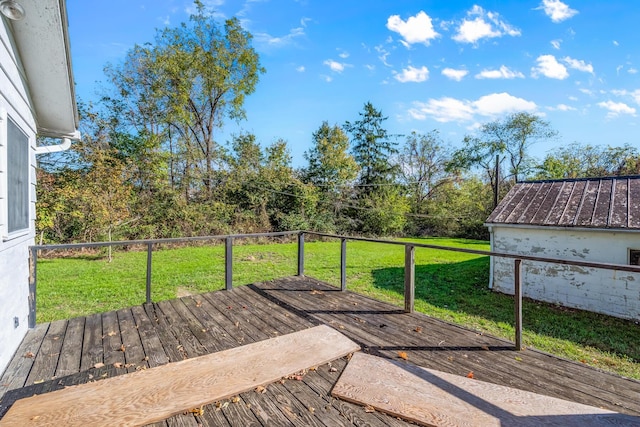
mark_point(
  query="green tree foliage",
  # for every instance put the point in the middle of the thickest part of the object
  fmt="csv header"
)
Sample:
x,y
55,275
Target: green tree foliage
x,y
183,87
583,161
371,147
510,138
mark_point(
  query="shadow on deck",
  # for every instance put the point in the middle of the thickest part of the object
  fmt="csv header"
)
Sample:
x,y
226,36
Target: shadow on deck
x,y
74,351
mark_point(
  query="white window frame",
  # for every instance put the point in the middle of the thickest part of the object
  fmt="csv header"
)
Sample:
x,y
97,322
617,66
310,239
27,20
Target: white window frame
x,y
4,185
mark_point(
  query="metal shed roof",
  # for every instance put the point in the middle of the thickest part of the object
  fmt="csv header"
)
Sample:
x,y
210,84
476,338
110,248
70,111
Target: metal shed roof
x,y
612,202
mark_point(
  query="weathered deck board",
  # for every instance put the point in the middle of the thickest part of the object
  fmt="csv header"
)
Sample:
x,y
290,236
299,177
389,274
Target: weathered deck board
x,y
383,331
171,389
280,307
434,398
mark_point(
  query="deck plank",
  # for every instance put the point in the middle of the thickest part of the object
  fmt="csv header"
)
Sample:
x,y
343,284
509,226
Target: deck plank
x,y
18,370
194,382
433,398
92,349
44,366
71,352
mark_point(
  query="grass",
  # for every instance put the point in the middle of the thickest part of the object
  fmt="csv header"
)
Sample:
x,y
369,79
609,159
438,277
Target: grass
x,y
449,285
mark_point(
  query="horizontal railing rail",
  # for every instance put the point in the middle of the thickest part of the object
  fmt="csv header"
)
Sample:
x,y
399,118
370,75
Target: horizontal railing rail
x,y
409,265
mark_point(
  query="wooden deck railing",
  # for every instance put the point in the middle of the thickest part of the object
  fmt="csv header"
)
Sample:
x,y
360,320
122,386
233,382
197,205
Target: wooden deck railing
x,y
409,264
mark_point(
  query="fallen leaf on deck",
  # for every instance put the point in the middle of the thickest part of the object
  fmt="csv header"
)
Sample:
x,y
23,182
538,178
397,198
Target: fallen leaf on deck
x,y
122,348
98,365
198,303
316,292
38,381
470,374
117,365
196,411
332,369
519,359
403,355
418,329
237,324
312,410
369,409
235,399
29,355
484,347
260,389
111,333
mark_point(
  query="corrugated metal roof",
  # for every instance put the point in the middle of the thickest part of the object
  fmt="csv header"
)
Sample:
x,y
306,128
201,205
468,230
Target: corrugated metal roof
x,y
612,202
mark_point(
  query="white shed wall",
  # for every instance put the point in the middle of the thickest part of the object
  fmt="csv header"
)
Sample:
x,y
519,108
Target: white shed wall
x,y
14,255
602,291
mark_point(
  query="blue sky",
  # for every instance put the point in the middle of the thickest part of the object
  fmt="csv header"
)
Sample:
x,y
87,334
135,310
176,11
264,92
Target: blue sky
x,y
445,65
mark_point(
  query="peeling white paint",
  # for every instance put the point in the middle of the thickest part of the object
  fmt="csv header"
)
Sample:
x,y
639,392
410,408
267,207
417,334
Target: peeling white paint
x,y
603,291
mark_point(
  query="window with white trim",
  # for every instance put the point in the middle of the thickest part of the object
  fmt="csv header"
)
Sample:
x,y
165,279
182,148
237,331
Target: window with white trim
x,y
17,184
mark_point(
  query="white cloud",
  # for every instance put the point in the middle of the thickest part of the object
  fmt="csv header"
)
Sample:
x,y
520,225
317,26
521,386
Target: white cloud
x,y
615,43
449,109
502,73
617,108
413,74
633,94
416,29
383,54
502,103
454,74
578,64
557,11
370,67
549,67
480,25
562,107
300,69
326,78
632,71
586,91
273,41
335,66
556,44
443,110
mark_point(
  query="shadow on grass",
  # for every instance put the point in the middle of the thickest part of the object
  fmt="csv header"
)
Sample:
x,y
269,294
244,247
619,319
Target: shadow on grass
x,y
461,288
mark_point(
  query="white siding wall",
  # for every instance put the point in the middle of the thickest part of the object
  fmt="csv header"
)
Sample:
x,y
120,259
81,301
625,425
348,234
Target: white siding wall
x,y
14,261
598,290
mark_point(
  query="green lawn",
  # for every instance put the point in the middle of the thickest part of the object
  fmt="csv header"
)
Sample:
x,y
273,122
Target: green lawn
x,y
449,285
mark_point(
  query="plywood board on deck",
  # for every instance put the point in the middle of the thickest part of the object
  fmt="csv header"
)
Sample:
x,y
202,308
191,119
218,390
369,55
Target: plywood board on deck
x,y
433,398
155,394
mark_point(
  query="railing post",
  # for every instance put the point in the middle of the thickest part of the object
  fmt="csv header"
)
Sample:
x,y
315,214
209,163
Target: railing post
x,y
149,257
228,263
33,280
301,254
409,277
343,264
517,294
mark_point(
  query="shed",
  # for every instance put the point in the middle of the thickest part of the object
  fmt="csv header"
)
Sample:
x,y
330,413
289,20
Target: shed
x,y
36,97
594,220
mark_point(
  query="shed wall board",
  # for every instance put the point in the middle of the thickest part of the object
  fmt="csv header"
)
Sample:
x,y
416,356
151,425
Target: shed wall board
x,y
604,291
14,253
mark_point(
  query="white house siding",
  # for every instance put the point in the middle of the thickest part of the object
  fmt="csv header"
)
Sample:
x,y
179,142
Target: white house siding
x,y
14,268
603,291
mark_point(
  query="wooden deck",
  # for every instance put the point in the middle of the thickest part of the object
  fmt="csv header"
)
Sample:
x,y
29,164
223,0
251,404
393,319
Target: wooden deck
x,y
79,350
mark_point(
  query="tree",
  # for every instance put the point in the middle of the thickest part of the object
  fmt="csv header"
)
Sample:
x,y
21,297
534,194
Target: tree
x,y
583,161
422,166
330,165
372,148
183,87
511,137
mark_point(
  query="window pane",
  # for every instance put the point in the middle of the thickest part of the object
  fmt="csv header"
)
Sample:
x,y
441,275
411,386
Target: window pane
x,y
17,177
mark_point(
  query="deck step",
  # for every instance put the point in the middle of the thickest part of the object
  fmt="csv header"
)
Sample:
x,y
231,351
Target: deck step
x,y
433,398
155,394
